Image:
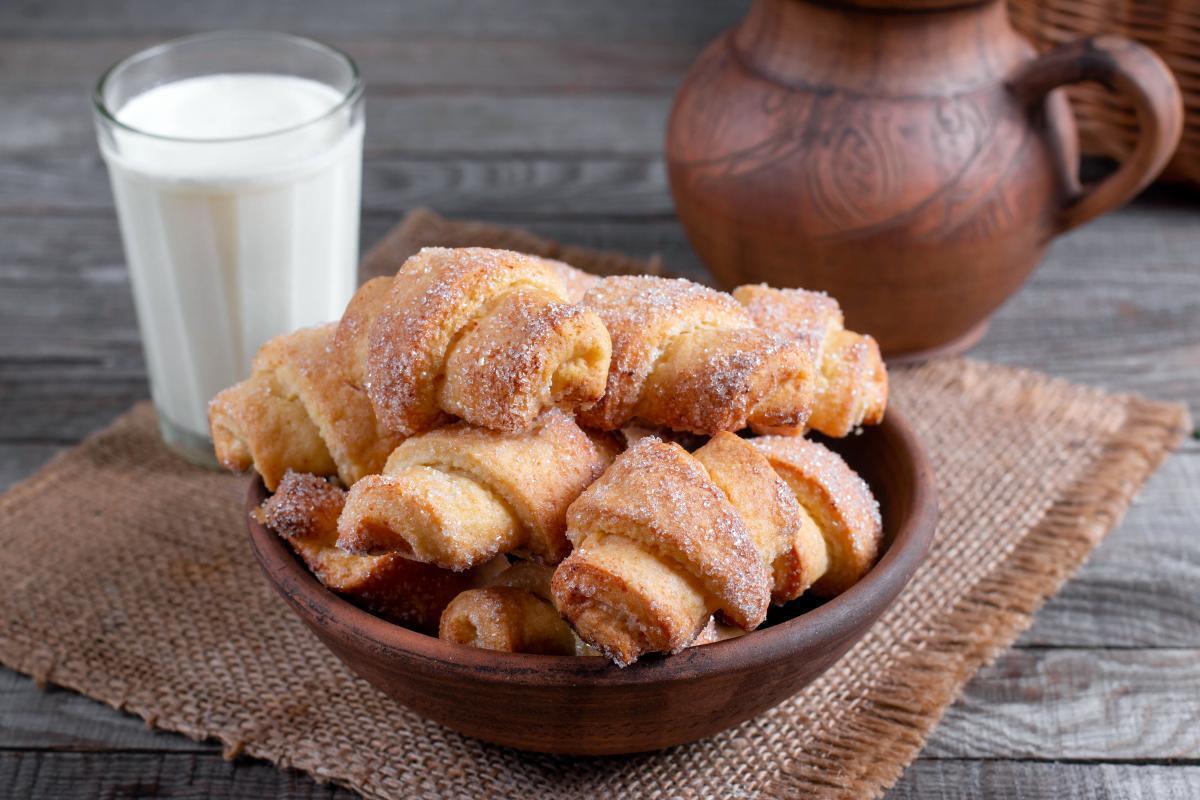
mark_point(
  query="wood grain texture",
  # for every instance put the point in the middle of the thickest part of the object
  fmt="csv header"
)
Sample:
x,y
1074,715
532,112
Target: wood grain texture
x,y
178,776
1103,705
466,185
394,64
627,20
191,776
624,123
983,780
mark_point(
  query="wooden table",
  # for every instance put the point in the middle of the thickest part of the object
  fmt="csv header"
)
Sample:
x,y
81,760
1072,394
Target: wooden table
x,y
550,115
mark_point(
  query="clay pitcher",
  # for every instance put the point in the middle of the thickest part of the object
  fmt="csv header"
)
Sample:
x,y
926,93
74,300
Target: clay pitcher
x,y
913,159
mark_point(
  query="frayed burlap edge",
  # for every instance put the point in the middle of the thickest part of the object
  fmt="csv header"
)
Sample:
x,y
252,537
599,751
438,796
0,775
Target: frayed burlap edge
x,y
894,720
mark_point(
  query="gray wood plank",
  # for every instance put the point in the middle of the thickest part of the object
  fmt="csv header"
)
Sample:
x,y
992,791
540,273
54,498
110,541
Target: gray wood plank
x,y
67,776
1081,704
519,186
1092,704
979,780
622,20
59,719
1115,304
178,776
397,63
536,124
19,461
1139,588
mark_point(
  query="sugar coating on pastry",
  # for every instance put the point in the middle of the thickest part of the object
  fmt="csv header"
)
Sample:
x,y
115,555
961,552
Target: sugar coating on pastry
x,y
658,548
784,534
459,495
297,411
436,300
837,499
575,281
305,510
528,352
511,613
853,385
352,338
724,380
687,356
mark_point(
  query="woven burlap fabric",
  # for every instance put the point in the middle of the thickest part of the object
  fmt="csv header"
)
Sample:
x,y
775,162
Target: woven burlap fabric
x,y
125,574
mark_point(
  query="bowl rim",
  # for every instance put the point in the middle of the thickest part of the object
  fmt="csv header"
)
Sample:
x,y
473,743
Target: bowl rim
x,y
822,627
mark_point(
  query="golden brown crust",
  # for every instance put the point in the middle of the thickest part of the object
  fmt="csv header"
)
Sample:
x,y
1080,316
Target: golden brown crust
x,y
691,358
709,381
658,548
853,386
305,510
783,533
297,411
855,389
257,423
625,600
507,619
459,495
839,502
352,339
437,297
527,352
512,612
304,361
665,539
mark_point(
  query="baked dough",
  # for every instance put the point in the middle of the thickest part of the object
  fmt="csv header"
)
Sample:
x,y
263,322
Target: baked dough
x,y
485,335
304,511
298,411
522,348
512,614
459,495
852,382
692,359
664,539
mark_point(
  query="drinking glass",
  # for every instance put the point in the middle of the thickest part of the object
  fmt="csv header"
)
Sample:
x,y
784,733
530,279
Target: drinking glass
x,y
230,239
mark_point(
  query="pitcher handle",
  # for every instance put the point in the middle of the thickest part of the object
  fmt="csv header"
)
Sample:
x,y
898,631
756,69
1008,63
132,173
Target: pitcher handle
x,y
1132,70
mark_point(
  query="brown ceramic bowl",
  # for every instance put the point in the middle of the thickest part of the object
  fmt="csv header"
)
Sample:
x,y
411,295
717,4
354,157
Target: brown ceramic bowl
x,y
560,704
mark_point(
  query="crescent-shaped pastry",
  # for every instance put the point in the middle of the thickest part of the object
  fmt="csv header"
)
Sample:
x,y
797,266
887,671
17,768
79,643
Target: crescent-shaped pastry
x,y
837,500
783,533
658,549
665,539
486,335
690,358
305,510
459,495
852,386
512,614
297,411
306,405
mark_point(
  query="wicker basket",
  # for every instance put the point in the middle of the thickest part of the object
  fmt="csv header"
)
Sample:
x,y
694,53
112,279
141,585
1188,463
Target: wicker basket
x,y
1106,123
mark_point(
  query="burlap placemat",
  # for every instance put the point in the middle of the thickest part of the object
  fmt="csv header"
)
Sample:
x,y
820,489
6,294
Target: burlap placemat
x,y
125,574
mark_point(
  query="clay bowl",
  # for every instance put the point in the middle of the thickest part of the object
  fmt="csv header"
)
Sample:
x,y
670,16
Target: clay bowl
x,y
560,704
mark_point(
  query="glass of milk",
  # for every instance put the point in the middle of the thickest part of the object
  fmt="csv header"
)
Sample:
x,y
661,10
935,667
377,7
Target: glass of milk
x,y
236,164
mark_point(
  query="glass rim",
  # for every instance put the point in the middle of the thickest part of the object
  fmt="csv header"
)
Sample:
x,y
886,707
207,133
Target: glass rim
x,y
349,97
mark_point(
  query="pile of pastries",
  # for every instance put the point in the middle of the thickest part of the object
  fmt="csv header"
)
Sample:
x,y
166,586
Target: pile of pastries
x,y
524,457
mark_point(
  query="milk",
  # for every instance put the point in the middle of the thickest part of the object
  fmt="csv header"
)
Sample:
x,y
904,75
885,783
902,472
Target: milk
x,y
241,227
